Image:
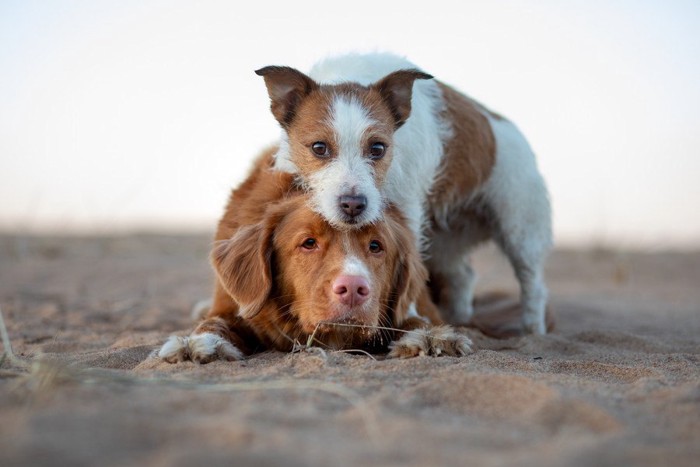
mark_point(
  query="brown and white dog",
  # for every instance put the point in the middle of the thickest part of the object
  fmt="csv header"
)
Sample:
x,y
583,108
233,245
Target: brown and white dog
x,y
361,132
287,277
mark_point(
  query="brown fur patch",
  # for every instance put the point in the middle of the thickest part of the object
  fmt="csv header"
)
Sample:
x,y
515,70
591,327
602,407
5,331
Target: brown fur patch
x,y
285,289
286,87
313,123
469,158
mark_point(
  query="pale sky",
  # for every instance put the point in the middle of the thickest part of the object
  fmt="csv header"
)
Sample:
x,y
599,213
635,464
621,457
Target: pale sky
x,y
137,115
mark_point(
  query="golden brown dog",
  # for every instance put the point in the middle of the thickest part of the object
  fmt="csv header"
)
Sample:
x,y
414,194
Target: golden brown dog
x,y
286,277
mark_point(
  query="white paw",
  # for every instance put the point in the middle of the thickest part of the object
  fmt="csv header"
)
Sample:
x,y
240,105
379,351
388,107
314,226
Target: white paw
x,y
434,341
200,348
534,325
174,350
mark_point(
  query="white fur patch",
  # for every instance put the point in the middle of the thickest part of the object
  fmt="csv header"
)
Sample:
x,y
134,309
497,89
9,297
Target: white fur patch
x,y
201,348
283,158
417,145
174,350
363,68
517,193
338,178
350,172
350,121
353,266
518,196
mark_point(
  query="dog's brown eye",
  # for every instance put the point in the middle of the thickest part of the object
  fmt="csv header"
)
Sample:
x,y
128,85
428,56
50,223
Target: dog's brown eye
x,y
375,247
309,244
376,151
320,149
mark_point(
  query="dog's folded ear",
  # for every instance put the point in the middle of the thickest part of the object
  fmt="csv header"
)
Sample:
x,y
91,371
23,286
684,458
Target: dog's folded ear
x,y
286,87
243,266
397,89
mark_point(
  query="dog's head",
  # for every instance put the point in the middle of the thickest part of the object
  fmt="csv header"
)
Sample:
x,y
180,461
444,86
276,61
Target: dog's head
x,y
339,138
295,275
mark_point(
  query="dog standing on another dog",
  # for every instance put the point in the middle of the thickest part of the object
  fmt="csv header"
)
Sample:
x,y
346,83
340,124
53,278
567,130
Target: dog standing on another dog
x,y
460,173
454,172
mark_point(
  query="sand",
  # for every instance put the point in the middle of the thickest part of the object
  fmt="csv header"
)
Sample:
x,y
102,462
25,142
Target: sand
x,y
617,383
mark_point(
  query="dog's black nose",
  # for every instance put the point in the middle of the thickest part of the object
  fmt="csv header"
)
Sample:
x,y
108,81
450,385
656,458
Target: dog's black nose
x,y
353,205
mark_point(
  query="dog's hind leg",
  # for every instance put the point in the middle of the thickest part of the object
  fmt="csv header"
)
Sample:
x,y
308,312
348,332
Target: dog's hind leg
x,y
517,198
528,268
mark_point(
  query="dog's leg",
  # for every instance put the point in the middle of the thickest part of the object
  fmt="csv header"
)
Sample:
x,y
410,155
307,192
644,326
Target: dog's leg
x,y
424,308
533,291
452,278
523,234
211,340
222,335
453,284
517,198
522,231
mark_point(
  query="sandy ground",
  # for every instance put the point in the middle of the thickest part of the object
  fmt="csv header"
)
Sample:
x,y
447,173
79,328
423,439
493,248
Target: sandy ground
x,y
617,383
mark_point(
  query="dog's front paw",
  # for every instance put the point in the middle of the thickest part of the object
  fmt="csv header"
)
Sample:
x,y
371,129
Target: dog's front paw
x,y
201,348
534,325
434,341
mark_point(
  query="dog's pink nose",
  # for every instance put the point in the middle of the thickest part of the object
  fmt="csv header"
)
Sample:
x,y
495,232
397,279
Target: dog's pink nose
x,y
351,290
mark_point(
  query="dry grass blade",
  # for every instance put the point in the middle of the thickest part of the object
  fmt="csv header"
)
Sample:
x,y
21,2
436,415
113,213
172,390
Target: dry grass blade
x,y
352,351
311,340
8,354
312,337
46,374
361,326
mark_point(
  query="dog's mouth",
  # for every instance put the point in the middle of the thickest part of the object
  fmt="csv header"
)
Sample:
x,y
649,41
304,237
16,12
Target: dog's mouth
x,y
358,220
350,322
352,222
344,334
343,325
